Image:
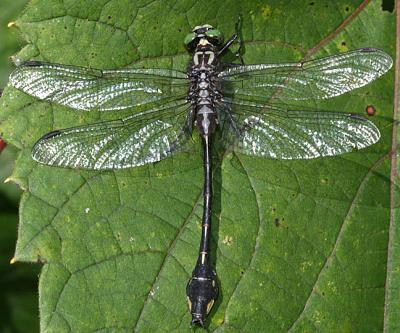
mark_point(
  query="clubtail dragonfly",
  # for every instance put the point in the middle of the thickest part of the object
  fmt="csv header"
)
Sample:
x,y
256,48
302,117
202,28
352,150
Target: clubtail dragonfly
x,y
248,103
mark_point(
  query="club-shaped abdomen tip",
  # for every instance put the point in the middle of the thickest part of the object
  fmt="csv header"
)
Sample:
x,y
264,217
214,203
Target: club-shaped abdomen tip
x,y
202,291
197,320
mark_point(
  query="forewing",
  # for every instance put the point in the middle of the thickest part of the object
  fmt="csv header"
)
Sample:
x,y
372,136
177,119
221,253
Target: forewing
x,y
296,134
105,90
137,140
315,79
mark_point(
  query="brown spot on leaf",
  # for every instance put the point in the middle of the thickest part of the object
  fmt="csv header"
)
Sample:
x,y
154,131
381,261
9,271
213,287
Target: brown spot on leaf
x,y
370,110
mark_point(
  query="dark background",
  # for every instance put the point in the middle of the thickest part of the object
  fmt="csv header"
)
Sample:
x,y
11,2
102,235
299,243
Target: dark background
x,y
18,282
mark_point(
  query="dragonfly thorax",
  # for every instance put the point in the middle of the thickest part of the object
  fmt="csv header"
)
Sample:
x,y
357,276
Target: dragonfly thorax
x,y
204,91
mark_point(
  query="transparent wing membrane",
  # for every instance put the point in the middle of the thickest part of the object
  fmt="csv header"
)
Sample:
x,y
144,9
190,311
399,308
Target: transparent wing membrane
x,y
279,133
251,114
105,90
137,140
315,79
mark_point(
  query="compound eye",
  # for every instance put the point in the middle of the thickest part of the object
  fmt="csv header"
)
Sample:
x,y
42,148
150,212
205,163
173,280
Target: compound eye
x,y
216,35
190,38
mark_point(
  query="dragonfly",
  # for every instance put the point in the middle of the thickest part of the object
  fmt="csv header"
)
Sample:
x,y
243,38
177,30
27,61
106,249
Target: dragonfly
x,y
249,104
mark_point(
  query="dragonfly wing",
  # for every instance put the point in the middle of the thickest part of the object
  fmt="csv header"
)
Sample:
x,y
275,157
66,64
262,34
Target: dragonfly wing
x,y
315,79
296,134
137,140
105,90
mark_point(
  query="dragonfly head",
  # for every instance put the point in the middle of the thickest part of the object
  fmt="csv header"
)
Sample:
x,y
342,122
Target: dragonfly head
x,y
203,35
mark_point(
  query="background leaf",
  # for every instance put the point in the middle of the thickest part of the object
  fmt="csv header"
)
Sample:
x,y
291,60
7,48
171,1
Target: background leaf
x,y
302,245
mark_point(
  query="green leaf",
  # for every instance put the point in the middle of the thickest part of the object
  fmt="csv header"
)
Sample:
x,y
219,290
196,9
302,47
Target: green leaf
x,y
10,42
299,246
9,10
10,191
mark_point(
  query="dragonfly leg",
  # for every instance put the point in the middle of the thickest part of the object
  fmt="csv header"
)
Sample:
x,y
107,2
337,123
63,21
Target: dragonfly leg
x,y
238,28
227,44
233,124
236,36
223,107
